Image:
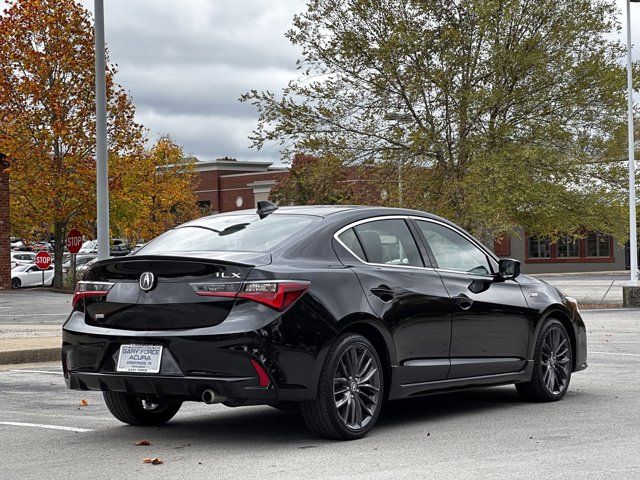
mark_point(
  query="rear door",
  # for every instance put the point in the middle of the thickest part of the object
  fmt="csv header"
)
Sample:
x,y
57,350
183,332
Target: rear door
x,y
407,294
490,320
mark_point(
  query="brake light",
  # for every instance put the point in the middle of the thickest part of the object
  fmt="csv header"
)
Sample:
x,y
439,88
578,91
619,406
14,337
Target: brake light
x,y
278,295
86,289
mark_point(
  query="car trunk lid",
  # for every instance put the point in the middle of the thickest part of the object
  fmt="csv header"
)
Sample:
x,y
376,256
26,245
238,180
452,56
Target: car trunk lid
x,y
165,299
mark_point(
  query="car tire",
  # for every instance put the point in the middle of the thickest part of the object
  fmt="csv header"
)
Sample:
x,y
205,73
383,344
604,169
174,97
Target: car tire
x,y
350,391
16,283
553,362
130,409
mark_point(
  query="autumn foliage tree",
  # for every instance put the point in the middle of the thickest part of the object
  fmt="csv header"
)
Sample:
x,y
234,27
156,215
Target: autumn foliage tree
x,y
47,117
514,107
156,195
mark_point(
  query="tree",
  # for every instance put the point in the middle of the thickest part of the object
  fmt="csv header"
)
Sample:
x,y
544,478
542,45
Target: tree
x,y
513,107
155,196
314,181
47,117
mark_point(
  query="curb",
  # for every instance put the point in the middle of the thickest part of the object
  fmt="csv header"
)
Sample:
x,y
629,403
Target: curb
x,y
33,355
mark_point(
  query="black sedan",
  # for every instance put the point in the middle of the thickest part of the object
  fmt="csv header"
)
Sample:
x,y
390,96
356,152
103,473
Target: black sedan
x,y
327,310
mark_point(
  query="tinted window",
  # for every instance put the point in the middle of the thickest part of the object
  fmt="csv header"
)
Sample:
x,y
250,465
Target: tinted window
x,y
452,251
348,237
389,242
230,233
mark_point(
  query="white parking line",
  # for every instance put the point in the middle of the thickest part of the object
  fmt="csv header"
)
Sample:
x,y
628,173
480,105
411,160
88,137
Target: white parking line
x,y
617,353
51,427
37,371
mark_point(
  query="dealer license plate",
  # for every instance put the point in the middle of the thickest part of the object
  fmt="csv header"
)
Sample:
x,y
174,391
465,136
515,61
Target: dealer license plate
x,y
139,358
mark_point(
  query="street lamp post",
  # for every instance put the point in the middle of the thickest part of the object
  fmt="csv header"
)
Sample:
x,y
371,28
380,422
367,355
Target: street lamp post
x,y
102,185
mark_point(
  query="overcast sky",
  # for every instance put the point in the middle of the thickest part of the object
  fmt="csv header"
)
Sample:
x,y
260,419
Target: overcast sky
x,y
186,62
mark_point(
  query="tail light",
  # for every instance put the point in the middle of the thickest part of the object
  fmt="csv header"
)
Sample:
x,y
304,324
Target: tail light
x,y
278,295
86,289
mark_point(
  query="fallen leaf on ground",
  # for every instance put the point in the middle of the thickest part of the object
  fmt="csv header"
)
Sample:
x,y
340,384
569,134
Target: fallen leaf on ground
x,y
141,443
84,403
152,461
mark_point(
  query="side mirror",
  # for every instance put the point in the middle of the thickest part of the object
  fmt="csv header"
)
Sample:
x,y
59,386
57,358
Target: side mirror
x,y
508,268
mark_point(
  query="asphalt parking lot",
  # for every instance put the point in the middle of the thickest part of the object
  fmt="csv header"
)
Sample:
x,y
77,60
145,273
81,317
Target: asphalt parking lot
x,y
489,433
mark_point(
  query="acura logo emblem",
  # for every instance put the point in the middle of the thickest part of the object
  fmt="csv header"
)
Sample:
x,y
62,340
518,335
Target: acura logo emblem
x,y
147,280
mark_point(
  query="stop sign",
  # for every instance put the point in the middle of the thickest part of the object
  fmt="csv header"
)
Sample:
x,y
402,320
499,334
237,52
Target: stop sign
x,y
74,240
43,260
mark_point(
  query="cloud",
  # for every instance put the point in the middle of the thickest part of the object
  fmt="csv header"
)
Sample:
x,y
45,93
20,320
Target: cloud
x,y
186,63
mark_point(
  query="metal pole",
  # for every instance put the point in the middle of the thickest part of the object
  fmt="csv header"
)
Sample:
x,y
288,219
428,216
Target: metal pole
x,y
633,235
400,183
102,188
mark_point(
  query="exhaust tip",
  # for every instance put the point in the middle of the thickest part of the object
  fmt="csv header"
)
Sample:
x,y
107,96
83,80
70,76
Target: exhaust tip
x,y
211,396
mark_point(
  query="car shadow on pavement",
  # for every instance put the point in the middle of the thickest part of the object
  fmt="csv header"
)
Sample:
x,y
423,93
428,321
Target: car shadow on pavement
x,y
265,427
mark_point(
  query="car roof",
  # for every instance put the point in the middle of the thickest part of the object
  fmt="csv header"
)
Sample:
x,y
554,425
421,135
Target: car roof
x,y
329,210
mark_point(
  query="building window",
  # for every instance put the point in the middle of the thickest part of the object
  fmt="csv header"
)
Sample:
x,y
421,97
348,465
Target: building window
x,y
568,247
239,201
539,247
598,245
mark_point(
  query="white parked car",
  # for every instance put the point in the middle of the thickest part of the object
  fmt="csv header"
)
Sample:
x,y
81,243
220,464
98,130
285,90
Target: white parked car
x,y
90,246
31,276
22,258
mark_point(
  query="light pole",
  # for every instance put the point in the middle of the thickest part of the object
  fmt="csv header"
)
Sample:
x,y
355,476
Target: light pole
x,y
402,118
102,179
633,235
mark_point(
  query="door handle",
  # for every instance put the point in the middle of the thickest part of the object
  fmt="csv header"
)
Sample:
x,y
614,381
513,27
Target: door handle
x,y
383,292
463,302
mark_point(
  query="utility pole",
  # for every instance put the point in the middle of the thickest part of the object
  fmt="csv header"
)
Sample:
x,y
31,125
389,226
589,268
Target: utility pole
x,y
102,178
631,294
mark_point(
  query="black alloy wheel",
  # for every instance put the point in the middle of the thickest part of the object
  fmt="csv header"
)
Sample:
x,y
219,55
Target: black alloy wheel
x,y
138,411
350,392
15,283
552,364
356,386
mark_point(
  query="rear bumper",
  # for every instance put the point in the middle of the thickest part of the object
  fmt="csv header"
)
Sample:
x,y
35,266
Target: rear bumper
x,y
182,387
193,361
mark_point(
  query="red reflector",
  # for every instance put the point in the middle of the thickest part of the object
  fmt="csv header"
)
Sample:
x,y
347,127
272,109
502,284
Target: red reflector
x,y
263,377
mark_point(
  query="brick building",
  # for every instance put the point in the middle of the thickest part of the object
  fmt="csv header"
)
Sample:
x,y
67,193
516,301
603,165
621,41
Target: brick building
x,y
227,184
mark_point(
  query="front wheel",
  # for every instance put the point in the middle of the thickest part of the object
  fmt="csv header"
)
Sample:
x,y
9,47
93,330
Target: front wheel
x,y
350,391
136,411
552,364
15,283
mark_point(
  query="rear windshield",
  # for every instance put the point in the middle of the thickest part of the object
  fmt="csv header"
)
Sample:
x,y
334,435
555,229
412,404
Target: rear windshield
x,y
241,233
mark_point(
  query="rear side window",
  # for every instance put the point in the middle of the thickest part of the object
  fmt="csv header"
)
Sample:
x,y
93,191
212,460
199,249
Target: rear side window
x,y
348,237
454,252
388,242
240,233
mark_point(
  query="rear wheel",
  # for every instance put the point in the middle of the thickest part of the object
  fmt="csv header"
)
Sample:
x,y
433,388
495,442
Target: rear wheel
x,y
350,391
15,283
136,411
552,365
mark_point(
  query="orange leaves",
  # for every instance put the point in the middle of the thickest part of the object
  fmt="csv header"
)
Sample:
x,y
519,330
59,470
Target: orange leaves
x,y
84,403
47,114
153,461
